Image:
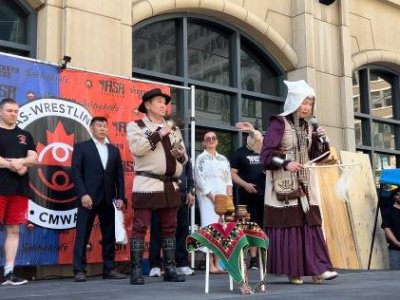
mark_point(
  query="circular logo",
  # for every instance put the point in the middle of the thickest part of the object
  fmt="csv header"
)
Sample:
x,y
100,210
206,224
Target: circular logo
x,y
55,125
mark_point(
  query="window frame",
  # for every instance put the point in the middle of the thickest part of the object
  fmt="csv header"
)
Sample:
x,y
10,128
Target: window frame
x,y
235,90
29,49
368,120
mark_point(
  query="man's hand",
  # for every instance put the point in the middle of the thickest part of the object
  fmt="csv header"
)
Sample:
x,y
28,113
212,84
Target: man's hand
x,y
87,202
177,153
119,204
165,131
16,164
22,171
189,199
250,188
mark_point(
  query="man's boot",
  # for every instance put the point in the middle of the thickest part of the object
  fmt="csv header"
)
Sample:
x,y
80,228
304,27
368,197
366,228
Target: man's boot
x,y
137,247
170,274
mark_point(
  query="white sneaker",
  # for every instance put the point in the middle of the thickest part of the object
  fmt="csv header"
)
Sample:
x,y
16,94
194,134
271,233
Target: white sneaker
x,y
185,271
155,272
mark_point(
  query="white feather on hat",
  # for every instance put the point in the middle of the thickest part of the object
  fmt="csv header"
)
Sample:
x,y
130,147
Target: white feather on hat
x,y
297,92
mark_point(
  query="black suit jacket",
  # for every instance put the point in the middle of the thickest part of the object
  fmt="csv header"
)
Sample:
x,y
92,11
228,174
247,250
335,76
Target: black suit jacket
x,y
89,176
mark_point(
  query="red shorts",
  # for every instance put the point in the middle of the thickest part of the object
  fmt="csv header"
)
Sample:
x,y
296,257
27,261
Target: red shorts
x,y
13,209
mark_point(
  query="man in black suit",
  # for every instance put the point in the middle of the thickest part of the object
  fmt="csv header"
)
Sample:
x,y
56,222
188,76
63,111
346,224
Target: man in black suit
x,y
98,180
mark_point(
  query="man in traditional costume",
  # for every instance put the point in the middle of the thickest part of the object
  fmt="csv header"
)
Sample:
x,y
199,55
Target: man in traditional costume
x,y
159,155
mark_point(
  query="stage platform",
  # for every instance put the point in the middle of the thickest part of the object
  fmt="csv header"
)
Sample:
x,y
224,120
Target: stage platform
x,y
360,285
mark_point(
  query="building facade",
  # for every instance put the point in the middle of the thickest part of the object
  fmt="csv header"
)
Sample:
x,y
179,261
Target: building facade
x,y
237,53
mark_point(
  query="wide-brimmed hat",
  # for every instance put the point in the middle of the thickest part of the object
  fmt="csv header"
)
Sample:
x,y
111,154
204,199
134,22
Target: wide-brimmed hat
x,y
150,95
297,92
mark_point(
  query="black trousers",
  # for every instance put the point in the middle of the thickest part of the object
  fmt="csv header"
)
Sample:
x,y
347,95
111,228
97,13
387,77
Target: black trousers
x,y
84,224
255,206
182,231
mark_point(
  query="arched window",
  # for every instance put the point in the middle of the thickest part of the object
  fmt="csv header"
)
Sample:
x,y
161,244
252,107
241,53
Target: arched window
x,y
376,98
17,28
235,79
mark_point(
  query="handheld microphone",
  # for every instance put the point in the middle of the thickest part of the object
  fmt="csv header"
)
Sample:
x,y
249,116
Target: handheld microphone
x,y
315,125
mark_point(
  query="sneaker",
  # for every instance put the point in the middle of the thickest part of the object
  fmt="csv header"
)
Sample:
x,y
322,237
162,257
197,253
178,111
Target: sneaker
x,y
253,263
11,279
155,272
185,271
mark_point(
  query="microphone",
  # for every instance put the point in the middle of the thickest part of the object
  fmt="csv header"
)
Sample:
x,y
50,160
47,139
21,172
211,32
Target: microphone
x,y
315,125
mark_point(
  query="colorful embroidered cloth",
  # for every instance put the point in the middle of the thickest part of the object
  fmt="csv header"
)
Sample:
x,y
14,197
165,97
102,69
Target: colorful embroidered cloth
x,y
226,240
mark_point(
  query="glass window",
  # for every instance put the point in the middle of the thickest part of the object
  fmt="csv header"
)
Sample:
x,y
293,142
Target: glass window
x,y
258,112
208,54
358,132
13,22
383,136
384,161
17,27
377,121
380,97
213,107
235,79
155,47
256,75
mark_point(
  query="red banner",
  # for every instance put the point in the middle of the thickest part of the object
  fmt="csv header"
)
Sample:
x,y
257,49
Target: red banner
x,y
116,99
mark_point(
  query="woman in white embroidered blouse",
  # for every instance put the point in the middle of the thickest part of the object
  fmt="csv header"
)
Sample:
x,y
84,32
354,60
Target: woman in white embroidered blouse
x,y
213,177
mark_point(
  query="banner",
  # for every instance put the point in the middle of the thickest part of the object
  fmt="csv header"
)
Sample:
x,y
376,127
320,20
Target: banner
x,y
56,107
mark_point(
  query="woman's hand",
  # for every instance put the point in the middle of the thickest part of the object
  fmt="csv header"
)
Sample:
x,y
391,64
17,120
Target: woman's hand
x,y
321,132
244,126
211,197
294,166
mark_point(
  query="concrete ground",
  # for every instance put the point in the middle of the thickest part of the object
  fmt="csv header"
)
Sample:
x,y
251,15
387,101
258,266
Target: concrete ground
x,y
360,285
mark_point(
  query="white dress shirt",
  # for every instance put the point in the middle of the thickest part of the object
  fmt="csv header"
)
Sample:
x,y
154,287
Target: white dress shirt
x,y
103,151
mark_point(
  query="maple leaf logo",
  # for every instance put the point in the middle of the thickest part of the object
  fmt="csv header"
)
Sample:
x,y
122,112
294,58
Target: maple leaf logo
x,y
58,151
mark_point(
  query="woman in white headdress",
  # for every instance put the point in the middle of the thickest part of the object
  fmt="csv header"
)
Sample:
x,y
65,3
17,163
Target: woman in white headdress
x,y
292,217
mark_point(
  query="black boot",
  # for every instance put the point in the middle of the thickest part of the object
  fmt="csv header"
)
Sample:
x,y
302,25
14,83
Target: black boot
x,y
170,274
137,247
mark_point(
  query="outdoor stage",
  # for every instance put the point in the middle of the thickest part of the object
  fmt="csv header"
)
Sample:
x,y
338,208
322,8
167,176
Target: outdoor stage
x,y
360,285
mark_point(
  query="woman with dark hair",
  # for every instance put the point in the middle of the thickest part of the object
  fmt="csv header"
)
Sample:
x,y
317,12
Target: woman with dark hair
x,y
292,217
213,176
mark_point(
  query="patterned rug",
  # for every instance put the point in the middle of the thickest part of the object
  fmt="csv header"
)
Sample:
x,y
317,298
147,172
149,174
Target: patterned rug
x,y
226,240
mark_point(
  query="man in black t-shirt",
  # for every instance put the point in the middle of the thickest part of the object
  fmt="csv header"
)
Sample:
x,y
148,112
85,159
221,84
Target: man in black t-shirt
x,y
17,153
391,225
248,174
